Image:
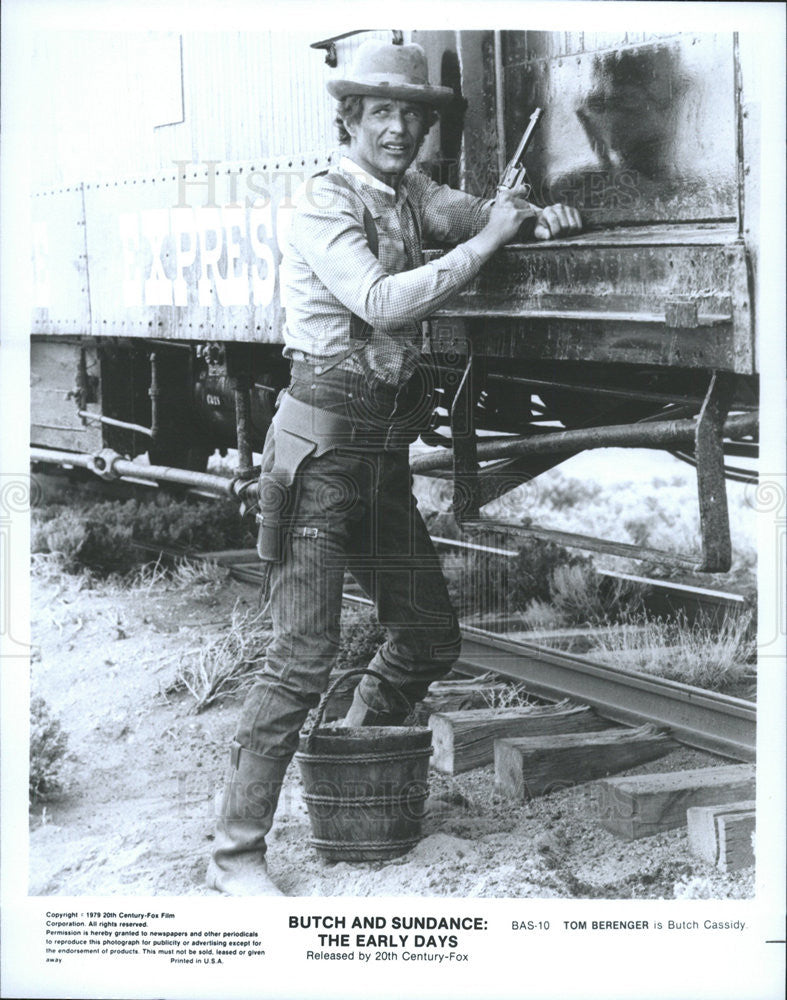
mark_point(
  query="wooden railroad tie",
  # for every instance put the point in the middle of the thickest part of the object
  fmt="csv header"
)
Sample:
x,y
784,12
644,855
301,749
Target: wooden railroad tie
x,y
462,695
464,740
645,804
442,696
530,766
723,834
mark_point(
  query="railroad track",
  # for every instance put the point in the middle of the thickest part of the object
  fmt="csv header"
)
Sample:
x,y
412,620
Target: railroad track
x,y
703,719
662,597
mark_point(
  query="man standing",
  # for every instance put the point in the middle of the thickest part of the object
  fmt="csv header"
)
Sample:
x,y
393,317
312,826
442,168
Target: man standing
x,y
356,290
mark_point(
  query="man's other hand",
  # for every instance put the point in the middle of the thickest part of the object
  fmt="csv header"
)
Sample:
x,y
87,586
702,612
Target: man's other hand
x,y
557,220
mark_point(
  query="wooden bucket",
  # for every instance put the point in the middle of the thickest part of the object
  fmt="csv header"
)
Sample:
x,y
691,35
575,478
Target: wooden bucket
x,y
365,787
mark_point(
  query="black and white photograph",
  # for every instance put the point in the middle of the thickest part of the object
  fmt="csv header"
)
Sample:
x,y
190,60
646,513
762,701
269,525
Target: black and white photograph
x,y
393,501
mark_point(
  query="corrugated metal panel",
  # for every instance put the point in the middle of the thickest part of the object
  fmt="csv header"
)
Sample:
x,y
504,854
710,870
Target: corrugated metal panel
x,y
95,103
251,96
159,271
61,301
101,97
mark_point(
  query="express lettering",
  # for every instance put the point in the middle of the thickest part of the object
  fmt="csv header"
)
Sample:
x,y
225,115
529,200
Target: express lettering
x,y
225,256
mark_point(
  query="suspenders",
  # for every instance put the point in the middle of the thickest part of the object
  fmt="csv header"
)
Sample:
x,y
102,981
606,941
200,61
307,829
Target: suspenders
x,y
360,330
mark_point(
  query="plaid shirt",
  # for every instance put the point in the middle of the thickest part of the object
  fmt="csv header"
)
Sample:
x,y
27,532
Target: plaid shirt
x,y
329,271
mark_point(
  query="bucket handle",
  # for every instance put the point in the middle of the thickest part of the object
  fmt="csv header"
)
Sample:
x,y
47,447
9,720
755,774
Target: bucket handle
x,y
336,684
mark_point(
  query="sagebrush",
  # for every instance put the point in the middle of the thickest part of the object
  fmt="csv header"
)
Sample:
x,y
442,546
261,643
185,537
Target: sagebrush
x,y
104,536
361,637
48,746
545,583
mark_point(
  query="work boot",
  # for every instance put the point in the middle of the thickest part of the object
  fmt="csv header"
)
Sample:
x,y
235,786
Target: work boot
x,y
360,714
238,866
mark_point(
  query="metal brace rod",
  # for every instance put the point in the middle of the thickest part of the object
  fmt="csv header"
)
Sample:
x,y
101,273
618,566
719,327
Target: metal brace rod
x,y
664,434
242,389
329,44
711,487
466,498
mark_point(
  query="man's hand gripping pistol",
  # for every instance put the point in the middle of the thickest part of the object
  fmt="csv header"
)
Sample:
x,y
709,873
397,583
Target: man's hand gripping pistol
x,y
515,175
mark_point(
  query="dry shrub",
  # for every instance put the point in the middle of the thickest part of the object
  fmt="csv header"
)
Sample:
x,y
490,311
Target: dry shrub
x,y
540,615
226,665
185,574
510,696
101,536
490,584
534,568
202,526
711,658
553,588
478,582
583,597
99,539
48,745
566,492
545,585
229,664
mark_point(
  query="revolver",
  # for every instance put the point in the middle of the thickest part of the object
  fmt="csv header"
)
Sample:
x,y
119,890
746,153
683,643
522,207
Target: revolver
x,y
514,174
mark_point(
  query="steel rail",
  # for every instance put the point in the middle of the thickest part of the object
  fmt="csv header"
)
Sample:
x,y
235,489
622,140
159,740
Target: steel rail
x,y
243,565
703,719
675,595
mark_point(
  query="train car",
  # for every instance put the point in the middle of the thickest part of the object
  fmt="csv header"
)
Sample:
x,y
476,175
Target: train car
x,y
165,182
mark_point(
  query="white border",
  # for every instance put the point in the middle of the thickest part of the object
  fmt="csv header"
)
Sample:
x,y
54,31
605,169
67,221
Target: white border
x,y
504,965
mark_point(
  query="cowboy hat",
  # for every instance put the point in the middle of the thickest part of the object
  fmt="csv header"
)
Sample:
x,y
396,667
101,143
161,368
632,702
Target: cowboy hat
x,y
381,69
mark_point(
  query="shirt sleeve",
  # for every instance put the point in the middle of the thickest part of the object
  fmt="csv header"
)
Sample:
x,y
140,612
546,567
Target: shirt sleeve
x,y
333,243
450,216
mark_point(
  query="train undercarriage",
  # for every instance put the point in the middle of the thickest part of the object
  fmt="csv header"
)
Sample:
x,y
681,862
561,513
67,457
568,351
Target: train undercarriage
x,y
499,422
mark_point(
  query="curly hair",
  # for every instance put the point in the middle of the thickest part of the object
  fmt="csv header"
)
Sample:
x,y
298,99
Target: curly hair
x,y
349,111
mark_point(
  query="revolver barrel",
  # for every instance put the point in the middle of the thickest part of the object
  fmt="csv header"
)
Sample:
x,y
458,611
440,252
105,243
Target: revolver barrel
x,y
515,173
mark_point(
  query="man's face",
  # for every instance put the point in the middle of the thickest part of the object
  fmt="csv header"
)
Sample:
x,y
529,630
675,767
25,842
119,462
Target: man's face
x,y
388,136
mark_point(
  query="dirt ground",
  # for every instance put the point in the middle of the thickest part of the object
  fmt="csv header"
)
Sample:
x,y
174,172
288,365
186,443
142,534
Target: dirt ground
x,y
135,813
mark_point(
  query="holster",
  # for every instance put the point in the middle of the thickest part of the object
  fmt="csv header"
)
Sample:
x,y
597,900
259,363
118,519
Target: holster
x,y
297,432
